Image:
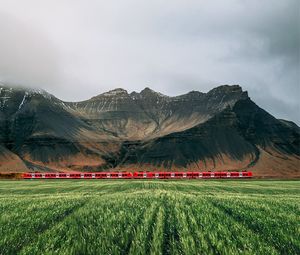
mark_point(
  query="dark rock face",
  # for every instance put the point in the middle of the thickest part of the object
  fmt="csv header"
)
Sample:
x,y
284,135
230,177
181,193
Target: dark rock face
x,y
217,136
214,130
236,131
37,127
261,128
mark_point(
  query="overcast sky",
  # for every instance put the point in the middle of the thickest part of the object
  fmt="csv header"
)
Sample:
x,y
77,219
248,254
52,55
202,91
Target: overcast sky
x,y
77,49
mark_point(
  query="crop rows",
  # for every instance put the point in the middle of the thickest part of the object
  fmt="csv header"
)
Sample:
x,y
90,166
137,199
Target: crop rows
x,y
149,217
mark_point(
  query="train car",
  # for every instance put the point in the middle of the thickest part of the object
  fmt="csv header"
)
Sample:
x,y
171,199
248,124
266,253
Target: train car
x,y
197,175
147,175
114,175
28,175
247,174
180,175
157,175
140,175
206,175
236,174
127,175
169,175
218,175
225,175
75,175
101,175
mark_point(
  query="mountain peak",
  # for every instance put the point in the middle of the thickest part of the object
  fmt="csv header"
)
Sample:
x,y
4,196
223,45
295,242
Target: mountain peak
x,y
149,92
233,91
25,90
227,89
118,92
115,92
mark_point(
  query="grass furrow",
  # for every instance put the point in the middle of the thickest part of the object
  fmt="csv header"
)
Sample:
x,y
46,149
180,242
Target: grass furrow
x,y
278,233
24,227
149,217
156,241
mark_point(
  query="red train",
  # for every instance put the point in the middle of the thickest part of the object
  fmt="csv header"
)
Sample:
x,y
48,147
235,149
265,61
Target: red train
x,y
140,175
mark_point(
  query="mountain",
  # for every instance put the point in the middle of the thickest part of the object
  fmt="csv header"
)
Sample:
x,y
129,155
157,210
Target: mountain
x,y
149,114
219,130
37,129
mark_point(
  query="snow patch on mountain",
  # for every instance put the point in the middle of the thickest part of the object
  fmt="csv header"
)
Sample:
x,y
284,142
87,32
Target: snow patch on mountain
x,y
23,100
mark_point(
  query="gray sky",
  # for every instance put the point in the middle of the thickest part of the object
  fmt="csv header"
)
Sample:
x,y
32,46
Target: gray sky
x,y
76,49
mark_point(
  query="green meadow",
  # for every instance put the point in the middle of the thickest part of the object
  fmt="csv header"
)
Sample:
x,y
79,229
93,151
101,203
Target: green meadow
x,y
149,217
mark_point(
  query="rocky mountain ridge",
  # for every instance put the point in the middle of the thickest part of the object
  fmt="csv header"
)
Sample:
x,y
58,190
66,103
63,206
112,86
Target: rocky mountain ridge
x,y
152,114
218,130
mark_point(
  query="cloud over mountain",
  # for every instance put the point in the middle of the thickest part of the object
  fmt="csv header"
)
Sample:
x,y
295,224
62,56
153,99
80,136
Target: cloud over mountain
x,y
76,49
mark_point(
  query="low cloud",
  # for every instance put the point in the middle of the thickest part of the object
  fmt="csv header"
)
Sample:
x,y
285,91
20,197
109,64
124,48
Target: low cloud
x,y
77,49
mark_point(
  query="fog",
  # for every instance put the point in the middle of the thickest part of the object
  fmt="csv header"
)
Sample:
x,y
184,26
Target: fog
x,y
77,49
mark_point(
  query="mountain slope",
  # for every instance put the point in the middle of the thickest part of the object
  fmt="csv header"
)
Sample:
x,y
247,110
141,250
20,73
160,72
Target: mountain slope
x,y
240,137
150,114
36,126
221,130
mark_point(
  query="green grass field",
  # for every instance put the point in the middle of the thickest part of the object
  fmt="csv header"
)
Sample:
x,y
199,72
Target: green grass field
x,y
149,217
